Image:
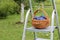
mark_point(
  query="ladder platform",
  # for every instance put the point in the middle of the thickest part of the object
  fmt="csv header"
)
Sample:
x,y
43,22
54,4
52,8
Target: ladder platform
x,y
48,29
41,39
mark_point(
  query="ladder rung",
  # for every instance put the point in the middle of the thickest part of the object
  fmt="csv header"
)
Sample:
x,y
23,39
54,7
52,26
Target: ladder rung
x,y
41,39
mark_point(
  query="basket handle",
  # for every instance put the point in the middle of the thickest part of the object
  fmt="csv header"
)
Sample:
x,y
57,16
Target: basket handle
x,y
46,15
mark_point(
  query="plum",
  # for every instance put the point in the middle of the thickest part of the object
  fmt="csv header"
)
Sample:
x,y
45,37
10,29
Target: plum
x,y
40,18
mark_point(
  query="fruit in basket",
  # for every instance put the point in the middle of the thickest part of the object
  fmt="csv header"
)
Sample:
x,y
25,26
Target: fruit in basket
x,y
40,18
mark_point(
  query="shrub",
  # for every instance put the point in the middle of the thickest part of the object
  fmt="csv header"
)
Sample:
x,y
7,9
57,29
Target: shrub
x,y
13,7
26,3
3,15
40,0
8,7
3,9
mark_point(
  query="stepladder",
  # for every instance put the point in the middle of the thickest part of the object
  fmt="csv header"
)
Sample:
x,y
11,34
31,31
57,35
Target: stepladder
x,y
48,29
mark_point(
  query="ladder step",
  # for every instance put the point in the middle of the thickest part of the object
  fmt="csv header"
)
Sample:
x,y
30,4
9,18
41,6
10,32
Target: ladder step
x,y
41,39
48,29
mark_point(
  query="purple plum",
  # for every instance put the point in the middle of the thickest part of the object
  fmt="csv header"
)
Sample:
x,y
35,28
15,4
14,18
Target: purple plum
x,y
40,18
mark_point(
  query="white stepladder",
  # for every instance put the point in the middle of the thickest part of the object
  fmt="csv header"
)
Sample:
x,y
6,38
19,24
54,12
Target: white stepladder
x,y
48,29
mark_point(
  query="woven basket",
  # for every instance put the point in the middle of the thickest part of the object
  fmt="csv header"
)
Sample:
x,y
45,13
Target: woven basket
x,y
40,24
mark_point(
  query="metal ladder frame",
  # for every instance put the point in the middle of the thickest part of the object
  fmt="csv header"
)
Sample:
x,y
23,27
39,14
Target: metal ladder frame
x,y
54,14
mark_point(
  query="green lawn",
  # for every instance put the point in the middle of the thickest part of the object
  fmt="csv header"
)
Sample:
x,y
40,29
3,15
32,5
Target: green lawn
x,y
9,30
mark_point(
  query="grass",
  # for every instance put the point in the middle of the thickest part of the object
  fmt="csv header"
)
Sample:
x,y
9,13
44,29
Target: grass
x,y
9,30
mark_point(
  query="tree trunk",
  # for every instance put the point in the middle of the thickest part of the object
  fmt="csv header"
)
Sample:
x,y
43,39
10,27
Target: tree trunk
x,y
22,13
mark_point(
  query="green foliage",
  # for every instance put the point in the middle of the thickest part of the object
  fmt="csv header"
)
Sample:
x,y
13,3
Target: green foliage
x,y
8,7
13,7
18,2
3,9
48,3
40,0
26,3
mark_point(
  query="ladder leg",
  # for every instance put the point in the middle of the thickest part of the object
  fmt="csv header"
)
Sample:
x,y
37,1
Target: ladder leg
x,y
58,33
24,33
25,25
51,38
35,35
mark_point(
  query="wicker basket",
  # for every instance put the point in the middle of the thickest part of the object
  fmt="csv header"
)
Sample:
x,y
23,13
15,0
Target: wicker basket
x,y
40,24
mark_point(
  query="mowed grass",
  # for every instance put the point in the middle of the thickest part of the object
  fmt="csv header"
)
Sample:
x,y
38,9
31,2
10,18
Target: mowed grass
x,y
9,30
